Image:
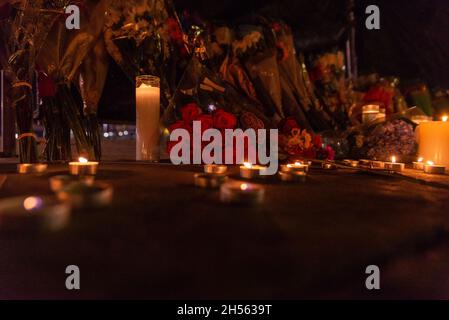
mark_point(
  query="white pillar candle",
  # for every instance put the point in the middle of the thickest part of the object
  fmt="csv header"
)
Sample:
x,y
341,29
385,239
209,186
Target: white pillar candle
x,y
433,140
148,96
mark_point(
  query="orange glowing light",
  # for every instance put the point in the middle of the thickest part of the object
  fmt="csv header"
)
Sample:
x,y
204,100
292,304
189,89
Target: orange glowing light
x,y
248,165
244,187
393,159
430,163
32,203
420,159
83,160
445,118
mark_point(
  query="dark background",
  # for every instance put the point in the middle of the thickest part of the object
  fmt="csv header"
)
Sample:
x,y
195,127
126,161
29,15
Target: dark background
x,y
413,42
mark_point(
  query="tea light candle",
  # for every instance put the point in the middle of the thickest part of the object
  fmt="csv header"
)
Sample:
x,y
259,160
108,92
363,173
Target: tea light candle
x,y
244,194
394,165
83,167
295,167
81,195
328,166
215,169
370,113
419,165
211,181
433,140
377,165
431,168
249,171
26,168
293,176
33,213
58,183
351,163
365,162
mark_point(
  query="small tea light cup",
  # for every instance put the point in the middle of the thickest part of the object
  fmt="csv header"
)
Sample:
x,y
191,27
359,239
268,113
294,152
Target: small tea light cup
x,y
83,167
431,168
58,183
365,162
328,166
351,163
242,194
295,167
81,195
215,169
33,214
293,176
209,181
27,168
419,165
250,171
377,165
394,166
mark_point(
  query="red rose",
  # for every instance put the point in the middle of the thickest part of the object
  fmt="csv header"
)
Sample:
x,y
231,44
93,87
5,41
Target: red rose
x,y
46,86
190,112
207,122
317,141
180,125
287,125
224,120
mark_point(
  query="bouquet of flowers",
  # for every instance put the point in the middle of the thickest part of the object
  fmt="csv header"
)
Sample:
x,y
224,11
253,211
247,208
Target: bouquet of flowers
x,y
24,28
299,143
218,119
72,73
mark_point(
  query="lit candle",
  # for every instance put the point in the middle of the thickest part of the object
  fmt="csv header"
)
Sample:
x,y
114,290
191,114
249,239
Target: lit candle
x,y
250,171
370,113
351,163
215,169
377,165
83,167
295,167
26,168
209,181
147,118
419,165
431,168
433,140
328,165
293,176
394,165
244,194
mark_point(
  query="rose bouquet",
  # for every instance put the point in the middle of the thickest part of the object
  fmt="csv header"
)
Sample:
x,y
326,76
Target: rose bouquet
x,y
218,119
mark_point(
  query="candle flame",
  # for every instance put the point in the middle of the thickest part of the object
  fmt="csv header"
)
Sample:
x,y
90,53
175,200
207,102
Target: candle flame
x,y
83,160
298,164
244,187
248,165
421,159
393,159
32,203
430,163
445,118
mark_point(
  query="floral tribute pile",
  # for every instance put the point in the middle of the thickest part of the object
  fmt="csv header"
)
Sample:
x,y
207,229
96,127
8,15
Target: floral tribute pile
x,y
293,142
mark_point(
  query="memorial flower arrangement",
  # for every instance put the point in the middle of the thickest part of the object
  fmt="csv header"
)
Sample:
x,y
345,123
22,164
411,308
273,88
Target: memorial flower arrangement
x,y
299,143
394,137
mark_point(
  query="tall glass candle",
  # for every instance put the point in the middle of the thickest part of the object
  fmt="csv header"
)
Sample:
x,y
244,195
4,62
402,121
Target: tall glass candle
x,y
433,140
148,97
